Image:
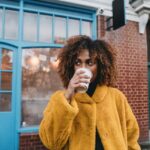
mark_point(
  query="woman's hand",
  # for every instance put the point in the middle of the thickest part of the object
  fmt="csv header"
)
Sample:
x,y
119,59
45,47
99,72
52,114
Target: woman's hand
x,y
78,78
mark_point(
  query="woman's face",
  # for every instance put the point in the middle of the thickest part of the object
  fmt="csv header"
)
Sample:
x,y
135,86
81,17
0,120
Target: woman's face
x,y
85,61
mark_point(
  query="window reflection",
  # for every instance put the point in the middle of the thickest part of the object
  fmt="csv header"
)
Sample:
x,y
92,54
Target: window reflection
x,y
11,24
1,13
6,63
73,27
45,32
86,28
6,81
30,27
60,30
39,80
5,102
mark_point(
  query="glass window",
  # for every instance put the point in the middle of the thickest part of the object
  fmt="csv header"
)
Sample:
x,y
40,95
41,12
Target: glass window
x,y
39,80
6,81
5,102
73,27
1,16
11,24
86,28
7,58
60,30
45,33
30,27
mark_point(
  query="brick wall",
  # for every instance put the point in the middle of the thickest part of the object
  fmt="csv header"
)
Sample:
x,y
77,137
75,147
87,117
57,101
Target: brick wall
x,y
131,47
30,142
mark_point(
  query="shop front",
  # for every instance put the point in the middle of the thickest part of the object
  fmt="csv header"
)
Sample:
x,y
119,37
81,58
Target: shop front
x,y
31,35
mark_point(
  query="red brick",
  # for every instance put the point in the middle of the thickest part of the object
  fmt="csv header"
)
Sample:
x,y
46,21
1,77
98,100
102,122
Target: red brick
x,y
132,68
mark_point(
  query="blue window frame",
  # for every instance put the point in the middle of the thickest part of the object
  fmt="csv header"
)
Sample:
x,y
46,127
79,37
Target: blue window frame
x,y
33,13
43,15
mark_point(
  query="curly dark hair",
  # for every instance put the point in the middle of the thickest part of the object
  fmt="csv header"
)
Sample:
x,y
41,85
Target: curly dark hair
x,y
104,53
106,59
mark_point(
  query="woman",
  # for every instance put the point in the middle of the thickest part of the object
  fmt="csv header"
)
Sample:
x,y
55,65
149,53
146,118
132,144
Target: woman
x,y
99,119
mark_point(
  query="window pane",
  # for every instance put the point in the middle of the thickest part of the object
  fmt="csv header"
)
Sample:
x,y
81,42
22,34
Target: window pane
x,y
7,57
86,28
6,80
39,81
5,102
30,27
11,24
1,13
60,30
45,28
73,27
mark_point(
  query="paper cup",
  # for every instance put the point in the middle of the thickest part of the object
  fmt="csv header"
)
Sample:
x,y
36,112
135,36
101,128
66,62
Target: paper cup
x,y
84,86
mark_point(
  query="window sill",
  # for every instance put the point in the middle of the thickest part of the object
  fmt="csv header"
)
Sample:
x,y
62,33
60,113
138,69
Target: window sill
x,y
33,129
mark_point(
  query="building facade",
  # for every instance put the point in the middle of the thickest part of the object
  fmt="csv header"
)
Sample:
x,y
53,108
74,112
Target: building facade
x,y
31,34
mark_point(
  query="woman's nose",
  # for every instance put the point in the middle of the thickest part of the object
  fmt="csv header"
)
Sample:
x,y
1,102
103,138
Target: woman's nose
x,y
83,65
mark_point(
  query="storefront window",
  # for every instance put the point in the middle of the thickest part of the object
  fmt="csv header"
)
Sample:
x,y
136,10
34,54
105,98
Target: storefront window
x,y
86,28
39,80
6,63
11,24
60,30
1,14
45,28
5,102
6,80
30,27
73,27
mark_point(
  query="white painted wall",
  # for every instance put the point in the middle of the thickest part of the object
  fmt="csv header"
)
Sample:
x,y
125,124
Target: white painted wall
x,y
106,5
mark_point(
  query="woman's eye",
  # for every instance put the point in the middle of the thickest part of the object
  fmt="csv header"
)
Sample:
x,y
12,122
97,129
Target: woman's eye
x,y
77,63
90,63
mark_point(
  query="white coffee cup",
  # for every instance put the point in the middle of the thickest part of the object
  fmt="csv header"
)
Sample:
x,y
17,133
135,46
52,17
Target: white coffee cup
x,y
84,86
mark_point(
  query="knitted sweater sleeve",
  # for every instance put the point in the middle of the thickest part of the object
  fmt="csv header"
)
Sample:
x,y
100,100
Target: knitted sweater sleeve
x,y
55,128
132,128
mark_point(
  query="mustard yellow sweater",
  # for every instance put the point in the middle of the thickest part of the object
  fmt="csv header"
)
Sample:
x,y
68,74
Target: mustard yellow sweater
x,y
73,126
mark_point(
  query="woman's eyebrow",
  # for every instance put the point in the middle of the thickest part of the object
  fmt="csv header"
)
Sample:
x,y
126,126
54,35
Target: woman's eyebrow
x,y
78,59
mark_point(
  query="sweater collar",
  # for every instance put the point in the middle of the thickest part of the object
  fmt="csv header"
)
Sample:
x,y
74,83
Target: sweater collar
x,y
97,97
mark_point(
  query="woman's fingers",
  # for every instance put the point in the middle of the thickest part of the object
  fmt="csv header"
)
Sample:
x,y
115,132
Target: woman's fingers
x,y
81,75
78,79
78,72
82,80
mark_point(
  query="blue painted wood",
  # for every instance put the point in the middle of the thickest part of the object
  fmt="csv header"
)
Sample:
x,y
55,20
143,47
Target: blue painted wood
x,y
94,27
19,94
32,129
16,46
80,26
62,6
67,27
10,43
50,12
12,3
18,77
9,6
53,26
38,26
5,70
3,22
7,125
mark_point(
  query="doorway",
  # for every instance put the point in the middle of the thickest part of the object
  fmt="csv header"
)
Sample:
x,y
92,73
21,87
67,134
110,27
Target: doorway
x,y
7,97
